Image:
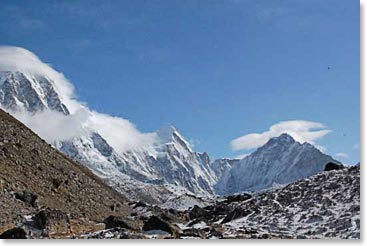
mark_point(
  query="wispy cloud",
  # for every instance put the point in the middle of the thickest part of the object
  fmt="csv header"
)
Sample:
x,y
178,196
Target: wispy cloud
x,y
300,130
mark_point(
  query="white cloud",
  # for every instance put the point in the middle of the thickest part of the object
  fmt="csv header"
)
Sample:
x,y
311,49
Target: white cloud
x,y
120,133
301,130
341,155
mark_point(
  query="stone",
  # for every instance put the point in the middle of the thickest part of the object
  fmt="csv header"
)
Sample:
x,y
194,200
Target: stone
x,y
156,223
198,212
27,197
238,198
333,166
115,221
14,233
52,220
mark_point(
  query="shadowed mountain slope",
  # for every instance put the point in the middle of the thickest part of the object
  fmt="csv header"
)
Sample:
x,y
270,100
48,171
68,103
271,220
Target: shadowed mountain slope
x,y
29,164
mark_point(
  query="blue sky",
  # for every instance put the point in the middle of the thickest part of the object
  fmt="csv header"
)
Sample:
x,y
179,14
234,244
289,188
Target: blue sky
x,y
217,70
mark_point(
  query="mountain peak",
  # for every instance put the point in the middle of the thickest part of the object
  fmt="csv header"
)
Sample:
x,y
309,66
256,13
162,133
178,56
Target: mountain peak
x,y
284,138
168,134
165,133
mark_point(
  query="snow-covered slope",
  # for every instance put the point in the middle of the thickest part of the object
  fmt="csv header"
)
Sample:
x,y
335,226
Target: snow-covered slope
x,y
280,161
222,167
141,173
31,92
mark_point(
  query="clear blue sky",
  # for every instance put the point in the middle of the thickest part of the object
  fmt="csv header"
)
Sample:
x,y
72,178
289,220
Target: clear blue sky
x,y
215,69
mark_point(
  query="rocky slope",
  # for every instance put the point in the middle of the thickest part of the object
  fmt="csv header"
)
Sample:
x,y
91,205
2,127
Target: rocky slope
x,y
324,206
35,177
280,161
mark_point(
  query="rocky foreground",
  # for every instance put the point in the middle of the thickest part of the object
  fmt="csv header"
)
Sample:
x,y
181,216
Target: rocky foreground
x,y
326,205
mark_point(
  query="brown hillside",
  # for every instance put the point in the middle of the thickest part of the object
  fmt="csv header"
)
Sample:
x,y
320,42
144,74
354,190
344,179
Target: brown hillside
x,y
28,163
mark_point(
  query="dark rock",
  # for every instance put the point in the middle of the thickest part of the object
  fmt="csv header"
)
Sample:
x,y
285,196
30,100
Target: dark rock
x,y
173,211
236,214
333,166
156,223
27,197
198,212
53,220
14,233
221,209
238,198
167,217
114,221
56,183
139,204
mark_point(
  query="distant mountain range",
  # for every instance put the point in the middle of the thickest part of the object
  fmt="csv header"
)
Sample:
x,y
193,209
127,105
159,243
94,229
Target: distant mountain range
x,y
168,167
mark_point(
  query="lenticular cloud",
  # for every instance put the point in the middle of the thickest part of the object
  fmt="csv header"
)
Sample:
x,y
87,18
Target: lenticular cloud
x,y
301,130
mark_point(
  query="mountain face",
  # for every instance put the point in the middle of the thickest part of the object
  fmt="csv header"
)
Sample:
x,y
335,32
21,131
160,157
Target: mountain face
x,y
281,160
222,167
152,173
33,93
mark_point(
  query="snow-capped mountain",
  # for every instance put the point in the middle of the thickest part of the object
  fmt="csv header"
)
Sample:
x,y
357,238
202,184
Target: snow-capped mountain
x,y
153,167
151,173
280,161
33,93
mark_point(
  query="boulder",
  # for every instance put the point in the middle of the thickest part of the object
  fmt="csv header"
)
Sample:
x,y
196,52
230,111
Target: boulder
x,y
156,223
198,212
115,221
27,197
333,166
238,198
14,233
52,220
